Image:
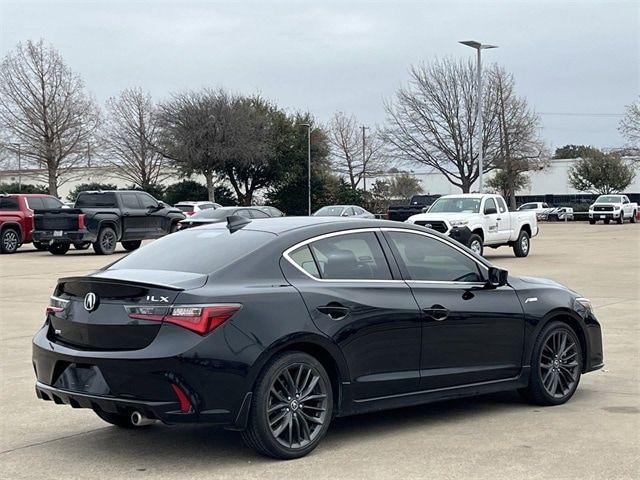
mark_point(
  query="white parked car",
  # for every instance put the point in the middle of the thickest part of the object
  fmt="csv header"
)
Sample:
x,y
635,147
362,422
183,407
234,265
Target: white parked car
x,y
540,208
343,211
613,207
189,208
478,220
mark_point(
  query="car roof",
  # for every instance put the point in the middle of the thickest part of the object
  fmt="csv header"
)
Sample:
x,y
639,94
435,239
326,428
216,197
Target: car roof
x,y
32,195
278,225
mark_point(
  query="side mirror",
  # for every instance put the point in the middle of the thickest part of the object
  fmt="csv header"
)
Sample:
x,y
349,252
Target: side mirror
x,y
497,277
490,211
345,214
152,208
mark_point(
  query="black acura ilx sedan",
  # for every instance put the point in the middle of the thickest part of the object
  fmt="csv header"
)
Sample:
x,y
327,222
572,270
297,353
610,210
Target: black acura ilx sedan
x,y
275,326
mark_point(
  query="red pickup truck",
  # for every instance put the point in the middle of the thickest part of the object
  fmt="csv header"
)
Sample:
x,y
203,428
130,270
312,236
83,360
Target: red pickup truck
x,y
16,218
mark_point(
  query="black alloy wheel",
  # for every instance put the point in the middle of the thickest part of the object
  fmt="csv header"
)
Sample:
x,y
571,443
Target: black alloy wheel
x,y
9,240
557,365
106,243
59,248
291,408
131,245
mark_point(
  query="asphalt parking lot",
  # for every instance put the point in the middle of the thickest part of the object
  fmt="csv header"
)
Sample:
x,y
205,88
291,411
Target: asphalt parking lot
x,y
594,436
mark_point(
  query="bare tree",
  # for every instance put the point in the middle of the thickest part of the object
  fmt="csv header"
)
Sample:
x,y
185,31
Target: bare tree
x,y
629,126
520,149
432,121
130,137
43,107
347,156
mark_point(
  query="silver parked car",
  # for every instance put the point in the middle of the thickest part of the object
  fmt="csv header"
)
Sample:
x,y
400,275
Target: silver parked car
x,y
189,208
343,211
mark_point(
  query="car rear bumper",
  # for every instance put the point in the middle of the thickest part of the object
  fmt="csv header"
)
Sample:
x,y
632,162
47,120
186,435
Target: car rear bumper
x,y
59,236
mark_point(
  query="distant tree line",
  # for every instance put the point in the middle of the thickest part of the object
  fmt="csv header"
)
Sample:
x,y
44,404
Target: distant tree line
x,y
257,149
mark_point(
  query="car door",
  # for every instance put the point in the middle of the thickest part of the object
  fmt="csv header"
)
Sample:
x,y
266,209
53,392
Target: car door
x,y
626,207
470,333
353,298
490,221
504,220
157,223
134,217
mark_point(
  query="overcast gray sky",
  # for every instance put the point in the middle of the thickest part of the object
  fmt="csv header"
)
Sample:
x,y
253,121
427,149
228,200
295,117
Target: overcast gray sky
x,y
569,57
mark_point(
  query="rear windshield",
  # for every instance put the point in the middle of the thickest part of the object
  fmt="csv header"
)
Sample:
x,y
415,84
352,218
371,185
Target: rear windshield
x,y
185,208
195,250
104,199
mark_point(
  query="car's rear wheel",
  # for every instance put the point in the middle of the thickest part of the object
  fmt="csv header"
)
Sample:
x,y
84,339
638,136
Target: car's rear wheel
x,y
291,408
41,246
633,217
131,245
117,419
475,244
59,248
9,240
592,222
81,245
523,245
556,365
106,242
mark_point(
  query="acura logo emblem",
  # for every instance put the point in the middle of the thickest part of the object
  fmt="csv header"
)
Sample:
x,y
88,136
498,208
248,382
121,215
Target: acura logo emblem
x,y
90,302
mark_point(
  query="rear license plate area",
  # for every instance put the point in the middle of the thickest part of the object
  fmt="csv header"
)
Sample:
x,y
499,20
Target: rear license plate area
x,y
57,233
82,378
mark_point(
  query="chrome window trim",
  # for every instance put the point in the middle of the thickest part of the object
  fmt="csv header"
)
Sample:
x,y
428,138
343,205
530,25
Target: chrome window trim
x,y
286,255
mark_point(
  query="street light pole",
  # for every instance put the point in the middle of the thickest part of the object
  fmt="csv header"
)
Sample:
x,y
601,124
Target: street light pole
x,y
364,159
308,125
479,47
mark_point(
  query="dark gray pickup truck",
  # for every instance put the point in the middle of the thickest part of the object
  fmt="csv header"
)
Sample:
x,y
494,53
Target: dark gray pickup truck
x,y
103,218
417,204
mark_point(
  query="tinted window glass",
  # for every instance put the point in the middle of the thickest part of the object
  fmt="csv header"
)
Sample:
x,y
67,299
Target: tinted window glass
x,y
51,203
195,250
329,212
8,203
185,208
35,203
206,206
489,203
428,259
129,200
243,213
147,200
258,214
302,256
355,256
88,200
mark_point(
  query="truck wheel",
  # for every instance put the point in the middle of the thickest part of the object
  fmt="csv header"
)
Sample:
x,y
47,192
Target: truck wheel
x,y
81,245
592,222
59,248
9,240
621,218
106,243
132,245
633,217
174,228
41,246
606,221
475,244
522,245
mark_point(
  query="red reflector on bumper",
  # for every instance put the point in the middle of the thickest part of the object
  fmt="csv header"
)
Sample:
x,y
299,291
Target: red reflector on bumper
x,y
185,404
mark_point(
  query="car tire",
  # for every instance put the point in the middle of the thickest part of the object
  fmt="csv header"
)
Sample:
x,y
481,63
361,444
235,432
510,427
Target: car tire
x,y
81,245
475,244
106,242
291,407
132,245
59,248
554,375
117,419
9,240
606,221
592,222
633,217
173,228
621,218
523,244
41,246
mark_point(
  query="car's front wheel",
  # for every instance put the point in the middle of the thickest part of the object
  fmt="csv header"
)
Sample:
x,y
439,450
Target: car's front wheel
x,y
592,222
475,244
621,218
291,408
556,365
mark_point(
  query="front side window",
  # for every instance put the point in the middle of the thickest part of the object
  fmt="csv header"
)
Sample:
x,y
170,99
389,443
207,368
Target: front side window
x,y
426,258
147,200
489,204
258,214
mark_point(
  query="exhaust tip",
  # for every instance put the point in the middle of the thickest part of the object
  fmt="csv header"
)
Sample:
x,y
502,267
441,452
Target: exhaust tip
x,y
139,420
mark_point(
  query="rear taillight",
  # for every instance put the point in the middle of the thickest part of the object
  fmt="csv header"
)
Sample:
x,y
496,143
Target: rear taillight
x,y
189,213
201,319
82,224
56,305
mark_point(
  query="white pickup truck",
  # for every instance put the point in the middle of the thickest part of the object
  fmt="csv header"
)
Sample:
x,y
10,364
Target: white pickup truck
x,y
478,220
613,207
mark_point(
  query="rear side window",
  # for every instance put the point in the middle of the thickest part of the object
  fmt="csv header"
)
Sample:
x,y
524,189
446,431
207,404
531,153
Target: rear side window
x,y
352,256
501,206
186,208
258,214
35,203
103,199
9,203
130,200
195,250
303,258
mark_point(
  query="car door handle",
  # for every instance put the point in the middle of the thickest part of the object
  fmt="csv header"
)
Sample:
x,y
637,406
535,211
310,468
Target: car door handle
x,y
437,312
335,312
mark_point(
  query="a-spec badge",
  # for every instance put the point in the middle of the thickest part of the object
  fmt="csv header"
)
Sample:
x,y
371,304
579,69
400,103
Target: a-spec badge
x,y
91,302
